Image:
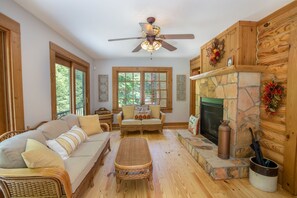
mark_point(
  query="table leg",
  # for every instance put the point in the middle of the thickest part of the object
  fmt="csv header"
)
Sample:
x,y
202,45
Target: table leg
x,y
150,179
118,184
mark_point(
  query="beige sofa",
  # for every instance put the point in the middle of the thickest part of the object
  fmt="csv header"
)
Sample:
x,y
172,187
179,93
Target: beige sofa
x,y
16,180
155,122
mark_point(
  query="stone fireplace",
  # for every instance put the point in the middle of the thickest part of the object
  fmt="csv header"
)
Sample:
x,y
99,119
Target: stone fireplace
x,y
240,92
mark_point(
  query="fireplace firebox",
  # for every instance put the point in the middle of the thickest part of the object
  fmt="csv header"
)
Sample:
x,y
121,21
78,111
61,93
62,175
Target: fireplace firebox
x,y
211,115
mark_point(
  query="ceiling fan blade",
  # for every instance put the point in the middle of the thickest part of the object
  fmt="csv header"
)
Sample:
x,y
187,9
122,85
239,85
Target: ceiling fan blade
x,y
147,28
168,46
121,39
137,48
177,36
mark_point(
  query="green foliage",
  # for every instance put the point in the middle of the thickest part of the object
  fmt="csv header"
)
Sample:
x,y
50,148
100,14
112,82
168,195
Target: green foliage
x,y
63,94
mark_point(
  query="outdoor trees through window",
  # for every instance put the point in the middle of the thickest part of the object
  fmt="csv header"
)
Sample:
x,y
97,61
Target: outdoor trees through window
x,y
139,86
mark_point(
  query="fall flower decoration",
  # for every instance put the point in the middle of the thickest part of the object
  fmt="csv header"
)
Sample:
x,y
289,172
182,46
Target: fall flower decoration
x,y
272,96
215,52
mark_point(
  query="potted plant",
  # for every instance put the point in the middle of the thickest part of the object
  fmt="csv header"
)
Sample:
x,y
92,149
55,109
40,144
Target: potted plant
x,y
263,172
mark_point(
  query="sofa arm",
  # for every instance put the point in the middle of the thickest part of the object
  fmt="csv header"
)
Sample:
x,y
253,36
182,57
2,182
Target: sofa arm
x,y
24,182
120,118
162,117
105,127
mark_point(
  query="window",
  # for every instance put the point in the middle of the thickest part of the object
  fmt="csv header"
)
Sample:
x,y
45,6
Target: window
x,y
139,86
69,82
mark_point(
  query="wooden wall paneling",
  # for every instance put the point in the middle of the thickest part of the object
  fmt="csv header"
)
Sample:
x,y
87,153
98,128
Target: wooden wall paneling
x,y
194,70
290,166
273,50
247,35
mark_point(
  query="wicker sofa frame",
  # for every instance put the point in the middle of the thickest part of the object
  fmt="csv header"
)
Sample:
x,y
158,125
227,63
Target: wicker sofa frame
x,y
45,182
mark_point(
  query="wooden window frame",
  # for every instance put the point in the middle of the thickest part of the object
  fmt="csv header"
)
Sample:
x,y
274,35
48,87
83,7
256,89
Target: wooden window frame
x,y
13,61
142,70
75,63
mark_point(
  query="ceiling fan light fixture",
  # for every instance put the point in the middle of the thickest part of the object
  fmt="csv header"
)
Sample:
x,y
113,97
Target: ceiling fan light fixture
x,y
150,48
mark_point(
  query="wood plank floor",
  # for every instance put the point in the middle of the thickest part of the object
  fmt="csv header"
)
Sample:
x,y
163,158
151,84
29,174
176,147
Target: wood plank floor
x,y
175,174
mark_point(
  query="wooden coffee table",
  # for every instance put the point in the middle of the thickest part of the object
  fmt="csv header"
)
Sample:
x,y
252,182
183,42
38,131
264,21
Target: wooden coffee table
x,y
133,161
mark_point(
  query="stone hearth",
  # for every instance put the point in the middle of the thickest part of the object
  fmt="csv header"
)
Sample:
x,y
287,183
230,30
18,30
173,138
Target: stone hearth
x,y
206,154
241,94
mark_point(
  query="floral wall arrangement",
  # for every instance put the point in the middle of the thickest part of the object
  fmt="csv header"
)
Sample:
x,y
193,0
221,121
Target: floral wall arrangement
x,y
272,95
216,51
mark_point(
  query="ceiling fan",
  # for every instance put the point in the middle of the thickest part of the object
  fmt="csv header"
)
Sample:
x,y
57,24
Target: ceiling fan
x,y
153,40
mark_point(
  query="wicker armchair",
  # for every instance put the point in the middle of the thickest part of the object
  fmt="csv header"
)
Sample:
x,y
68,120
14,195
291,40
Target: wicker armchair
x,y
44,182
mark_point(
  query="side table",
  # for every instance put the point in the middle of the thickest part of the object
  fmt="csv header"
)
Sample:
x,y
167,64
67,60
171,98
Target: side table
x,y
106,118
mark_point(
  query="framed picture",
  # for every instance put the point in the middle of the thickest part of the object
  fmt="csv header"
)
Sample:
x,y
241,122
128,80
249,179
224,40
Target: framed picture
x,y
181,87
103,88
230,61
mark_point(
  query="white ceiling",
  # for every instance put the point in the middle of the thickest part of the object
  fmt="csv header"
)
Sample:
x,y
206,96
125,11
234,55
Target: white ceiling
x,y
90,23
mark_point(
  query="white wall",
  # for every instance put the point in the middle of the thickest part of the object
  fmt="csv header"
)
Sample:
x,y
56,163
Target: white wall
x,y
35,37
180,112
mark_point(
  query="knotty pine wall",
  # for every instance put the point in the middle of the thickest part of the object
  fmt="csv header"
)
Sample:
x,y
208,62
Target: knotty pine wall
x,y
273,46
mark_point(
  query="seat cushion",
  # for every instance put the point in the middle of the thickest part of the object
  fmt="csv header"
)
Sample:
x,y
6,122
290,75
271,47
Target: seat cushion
x,y
78,168
151,121
91,149
54,128
131,122
71,120
11,149
99,137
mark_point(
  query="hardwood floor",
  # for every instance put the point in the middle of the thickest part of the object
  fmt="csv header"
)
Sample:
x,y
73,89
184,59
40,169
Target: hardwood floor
x,y
175,174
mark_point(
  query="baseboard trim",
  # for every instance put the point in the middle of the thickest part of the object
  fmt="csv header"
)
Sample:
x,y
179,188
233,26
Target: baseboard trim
x,y
175,125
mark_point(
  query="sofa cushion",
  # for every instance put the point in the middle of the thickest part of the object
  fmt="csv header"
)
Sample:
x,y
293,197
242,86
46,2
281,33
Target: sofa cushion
x,y
67,142
128,111
54,128
78,168
151,121
11,149
37,155
90,124
131,122
91,149
71,120
99,137
155,111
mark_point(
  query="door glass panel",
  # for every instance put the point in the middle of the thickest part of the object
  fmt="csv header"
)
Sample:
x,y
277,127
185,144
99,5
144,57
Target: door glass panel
x,y
80,92
63,96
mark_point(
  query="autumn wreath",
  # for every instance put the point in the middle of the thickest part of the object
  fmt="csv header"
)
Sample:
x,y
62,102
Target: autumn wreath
x,y
215,52
272,96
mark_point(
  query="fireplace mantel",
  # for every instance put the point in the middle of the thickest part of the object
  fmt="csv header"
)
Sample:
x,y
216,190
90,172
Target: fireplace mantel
x,y
231,69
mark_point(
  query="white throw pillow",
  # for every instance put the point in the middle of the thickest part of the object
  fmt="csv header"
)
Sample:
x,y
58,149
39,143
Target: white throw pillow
x,y
67,142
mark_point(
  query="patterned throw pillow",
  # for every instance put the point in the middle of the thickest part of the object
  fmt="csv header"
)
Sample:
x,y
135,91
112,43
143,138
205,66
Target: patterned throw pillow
x,y
193,125
67,142
142,115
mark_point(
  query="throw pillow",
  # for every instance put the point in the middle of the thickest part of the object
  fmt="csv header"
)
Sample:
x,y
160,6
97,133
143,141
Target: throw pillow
x,y
128,112
37,155
155,111
193,125
67,142
141,115
90,124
